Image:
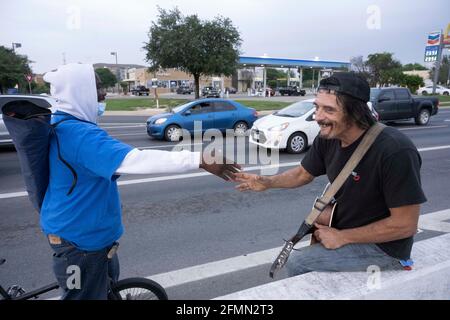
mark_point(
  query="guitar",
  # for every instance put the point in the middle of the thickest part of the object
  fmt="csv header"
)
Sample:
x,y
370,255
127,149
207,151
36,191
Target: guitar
x,y
304,229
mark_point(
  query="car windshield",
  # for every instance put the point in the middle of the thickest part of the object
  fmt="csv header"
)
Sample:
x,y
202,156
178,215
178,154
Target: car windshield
x,y
295,110
374,93
180,108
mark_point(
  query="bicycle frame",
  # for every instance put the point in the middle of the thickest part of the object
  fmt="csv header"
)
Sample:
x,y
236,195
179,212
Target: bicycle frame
x,y
28,295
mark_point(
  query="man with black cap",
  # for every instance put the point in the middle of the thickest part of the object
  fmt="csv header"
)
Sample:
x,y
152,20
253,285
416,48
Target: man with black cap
x,y
378,206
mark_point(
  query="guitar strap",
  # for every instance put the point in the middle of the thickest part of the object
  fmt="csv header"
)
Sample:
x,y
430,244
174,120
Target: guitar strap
x,y
322,202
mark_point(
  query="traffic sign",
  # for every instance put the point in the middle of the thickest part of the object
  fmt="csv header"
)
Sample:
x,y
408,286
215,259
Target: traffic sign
x,y
29,77
154,83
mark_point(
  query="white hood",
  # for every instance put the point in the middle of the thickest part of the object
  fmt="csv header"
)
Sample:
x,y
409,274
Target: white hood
x,y
272,120
73,86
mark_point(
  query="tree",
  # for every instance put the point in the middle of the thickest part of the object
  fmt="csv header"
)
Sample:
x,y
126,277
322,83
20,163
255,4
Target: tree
x,y
124,86
13,69
107,77
192,45
413,66
38,88
413,82
380,67
443,71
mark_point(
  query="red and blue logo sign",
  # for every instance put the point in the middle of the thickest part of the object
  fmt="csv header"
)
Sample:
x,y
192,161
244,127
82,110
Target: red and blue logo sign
x,y
434,39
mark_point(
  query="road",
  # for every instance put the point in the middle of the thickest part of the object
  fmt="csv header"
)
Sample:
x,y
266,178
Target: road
x,y
192,232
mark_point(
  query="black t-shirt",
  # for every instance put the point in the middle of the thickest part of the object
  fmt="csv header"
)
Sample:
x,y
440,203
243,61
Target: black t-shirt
x,y
388,176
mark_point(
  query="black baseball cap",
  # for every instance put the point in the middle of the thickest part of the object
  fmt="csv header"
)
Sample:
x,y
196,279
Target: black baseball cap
x,y
348,83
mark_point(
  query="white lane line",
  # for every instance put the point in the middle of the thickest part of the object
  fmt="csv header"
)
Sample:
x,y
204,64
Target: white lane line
x,y
122,127
13,195
433,148
435,221
218,268
198,174
447,120
120,123
420,128
171,146
129,134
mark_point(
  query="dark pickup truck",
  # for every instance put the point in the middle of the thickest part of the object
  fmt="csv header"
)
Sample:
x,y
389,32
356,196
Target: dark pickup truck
x,y
292,91
398,104
140,90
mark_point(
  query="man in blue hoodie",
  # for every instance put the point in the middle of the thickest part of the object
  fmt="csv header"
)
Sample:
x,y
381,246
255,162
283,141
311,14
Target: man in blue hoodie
x,y
83,221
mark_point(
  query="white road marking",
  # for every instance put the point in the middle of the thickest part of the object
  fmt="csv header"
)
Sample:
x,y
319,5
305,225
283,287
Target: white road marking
x,y
197,174
218,268
435,221
433,148
120,123
129,134
13,195
171,146
122,127
419,128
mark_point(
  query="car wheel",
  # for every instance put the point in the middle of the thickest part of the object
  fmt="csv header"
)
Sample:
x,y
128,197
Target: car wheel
x,y
424,93
445,93
240,128
297,143
423,117
173,133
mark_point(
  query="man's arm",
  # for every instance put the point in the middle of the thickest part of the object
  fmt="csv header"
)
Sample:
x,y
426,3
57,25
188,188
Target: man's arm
x,y
401,224
157,161
292,178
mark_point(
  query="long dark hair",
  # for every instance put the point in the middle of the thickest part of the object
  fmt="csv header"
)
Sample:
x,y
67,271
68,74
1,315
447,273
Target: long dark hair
x,y
356,111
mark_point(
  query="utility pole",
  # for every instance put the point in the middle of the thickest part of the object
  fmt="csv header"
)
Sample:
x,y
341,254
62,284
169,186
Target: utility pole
x,y
437,64
117,71
16,45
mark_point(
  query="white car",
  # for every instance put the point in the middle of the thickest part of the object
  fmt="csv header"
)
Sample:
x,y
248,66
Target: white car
x,y
5,139
292,128
429,90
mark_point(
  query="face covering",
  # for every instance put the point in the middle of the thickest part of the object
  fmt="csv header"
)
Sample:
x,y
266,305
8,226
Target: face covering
x,y
101,108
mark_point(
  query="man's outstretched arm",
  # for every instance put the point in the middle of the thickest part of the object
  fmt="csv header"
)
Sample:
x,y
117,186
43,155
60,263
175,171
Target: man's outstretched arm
x,y
292,178
157,161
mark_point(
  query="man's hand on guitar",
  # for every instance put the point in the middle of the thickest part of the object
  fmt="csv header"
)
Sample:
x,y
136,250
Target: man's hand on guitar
x,y
251,182
330,238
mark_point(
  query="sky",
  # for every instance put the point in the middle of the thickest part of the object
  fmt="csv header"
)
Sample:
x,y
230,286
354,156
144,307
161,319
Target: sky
x,y
52,32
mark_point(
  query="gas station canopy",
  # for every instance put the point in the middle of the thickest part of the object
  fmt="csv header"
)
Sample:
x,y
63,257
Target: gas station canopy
x,y
291,63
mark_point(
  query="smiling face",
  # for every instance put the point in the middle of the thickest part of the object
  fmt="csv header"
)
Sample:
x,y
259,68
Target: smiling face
x,y
330,116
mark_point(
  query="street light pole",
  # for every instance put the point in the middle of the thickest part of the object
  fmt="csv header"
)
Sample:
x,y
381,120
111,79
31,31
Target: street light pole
x,y
117,71
16,45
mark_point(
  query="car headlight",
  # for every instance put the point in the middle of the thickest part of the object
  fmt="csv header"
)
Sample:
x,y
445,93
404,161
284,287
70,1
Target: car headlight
x,y
160,120
280,127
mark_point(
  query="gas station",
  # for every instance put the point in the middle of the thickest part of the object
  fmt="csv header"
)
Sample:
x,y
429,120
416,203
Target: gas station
x,y
249,67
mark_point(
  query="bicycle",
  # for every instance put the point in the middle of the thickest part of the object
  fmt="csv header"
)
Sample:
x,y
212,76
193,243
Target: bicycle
x,y
125,289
